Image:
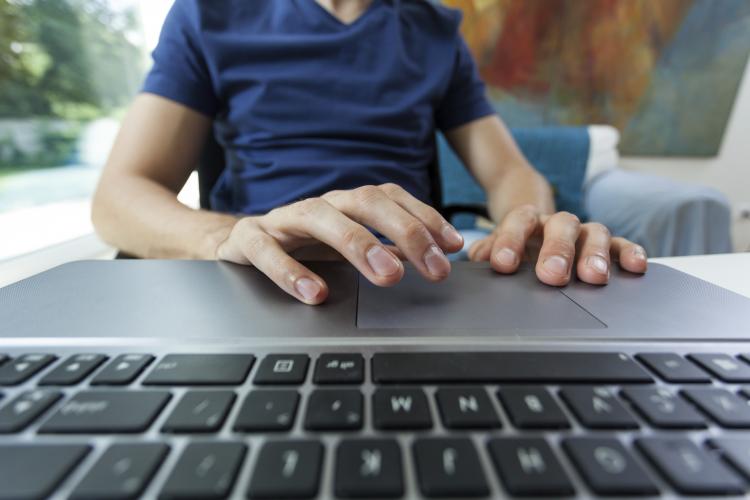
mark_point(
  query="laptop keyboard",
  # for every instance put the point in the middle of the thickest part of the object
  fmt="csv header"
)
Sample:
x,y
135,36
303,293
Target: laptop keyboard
x,y
382,425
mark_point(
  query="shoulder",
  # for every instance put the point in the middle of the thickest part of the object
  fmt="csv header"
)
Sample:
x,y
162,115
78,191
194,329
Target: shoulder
x,y
431,16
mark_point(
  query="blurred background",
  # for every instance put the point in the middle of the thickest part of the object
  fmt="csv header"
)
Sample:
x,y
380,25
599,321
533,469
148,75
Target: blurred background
x,y
668,79
68,70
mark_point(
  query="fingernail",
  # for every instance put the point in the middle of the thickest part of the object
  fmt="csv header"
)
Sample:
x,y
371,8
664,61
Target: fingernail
x,y
309,289
452,236
436,261
506,257
598,263
382,262
639,253
556,265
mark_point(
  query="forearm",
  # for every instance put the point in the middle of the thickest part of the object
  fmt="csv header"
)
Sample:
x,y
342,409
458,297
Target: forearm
x,y
517,186
143,218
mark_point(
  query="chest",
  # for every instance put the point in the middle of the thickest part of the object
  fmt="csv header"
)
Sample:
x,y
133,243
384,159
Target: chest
x,y
375,74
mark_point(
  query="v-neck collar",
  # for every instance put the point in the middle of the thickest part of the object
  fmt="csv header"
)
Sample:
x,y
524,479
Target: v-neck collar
x,y
313,8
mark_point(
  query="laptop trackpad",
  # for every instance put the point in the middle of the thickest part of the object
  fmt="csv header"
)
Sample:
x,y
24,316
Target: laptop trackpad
x,y
476,299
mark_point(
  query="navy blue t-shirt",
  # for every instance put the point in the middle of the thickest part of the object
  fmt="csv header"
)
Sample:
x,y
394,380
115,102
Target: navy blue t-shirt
x,y
304,104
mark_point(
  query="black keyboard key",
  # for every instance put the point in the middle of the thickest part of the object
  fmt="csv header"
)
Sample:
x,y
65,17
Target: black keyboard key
x,y
500,367
205,470
23,368
449,467
200,411
736,451
267,410
608,468
723,366
107,412
287,469
123,369
34,471
334,409
691,470
726,408
466,408
664,409
598,408
529,467
368,468
25,408
282,369
674,368
73,370
201,369
532,408
122,472
339,369
401,409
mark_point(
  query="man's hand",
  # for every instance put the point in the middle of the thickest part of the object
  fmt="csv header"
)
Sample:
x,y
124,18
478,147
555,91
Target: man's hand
x,y
340,219
557,242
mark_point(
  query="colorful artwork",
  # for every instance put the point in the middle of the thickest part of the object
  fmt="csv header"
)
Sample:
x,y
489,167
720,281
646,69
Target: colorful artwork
x,y
664,72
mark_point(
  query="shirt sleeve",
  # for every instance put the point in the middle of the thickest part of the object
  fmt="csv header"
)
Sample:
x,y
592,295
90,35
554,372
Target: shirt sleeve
x,y
465,99
180,72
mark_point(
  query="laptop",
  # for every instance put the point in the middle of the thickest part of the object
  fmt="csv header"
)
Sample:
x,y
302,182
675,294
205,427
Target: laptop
x,y
198,379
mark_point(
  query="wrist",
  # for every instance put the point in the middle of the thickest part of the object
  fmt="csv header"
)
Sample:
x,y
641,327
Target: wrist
x,y
215,236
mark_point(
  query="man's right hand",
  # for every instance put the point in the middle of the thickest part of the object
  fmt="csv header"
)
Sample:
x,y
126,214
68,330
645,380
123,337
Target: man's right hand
x,y
340,220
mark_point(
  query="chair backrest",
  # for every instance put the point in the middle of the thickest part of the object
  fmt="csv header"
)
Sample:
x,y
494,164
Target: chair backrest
x,y
560,154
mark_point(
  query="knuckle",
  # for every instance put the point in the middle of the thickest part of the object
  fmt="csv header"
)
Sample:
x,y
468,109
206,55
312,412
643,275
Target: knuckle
x,y
568,218
414,230
367,194
526,214
391,188
599,228
526,209
354,237
308,207
332,195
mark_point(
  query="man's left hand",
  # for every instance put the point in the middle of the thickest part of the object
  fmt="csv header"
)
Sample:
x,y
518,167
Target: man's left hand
x,y
556,243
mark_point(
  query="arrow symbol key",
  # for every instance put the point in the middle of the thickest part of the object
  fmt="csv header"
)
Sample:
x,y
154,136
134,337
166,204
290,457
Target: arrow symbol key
x,y
25,408
23,367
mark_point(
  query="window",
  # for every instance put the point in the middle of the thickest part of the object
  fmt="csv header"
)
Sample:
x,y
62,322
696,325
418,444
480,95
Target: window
x,y
68,70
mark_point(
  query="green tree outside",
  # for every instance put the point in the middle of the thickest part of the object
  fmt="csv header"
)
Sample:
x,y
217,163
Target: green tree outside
x,y
69,60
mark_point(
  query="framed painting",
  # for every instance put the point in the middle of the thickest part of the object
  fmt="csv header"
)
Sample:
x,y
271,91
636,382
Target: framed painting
x,y
664,72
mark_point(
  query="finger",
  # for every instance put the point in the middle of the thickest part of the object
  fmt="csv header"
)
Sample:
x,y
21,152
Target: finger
x,y
480,249
511,237
444,233
370,206
631,256
317,219
266,254
558,249
593,263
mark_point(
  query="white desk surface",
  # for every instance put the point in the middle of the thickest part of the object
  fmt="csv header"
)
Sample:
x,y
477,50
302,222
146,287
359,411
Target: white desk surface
x,y
731,271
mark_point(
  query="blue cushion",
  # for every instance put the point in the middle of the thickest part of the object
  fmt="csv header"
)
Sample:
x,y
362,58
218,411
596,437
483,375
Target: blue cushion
x,y
558,153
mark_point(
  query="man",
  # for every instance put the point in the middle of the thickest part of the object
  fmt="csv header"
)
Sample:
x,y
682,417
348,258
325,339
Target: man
x,y
327,110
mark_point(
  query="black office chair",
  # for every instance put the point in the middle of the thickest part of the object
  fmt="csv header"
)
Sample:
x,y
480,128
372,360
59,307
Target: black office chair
x,y
213,161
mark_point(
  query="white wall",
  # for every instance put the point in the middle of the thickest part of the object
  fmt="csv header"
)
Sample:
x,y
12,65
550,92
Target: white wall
x,y
729,172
